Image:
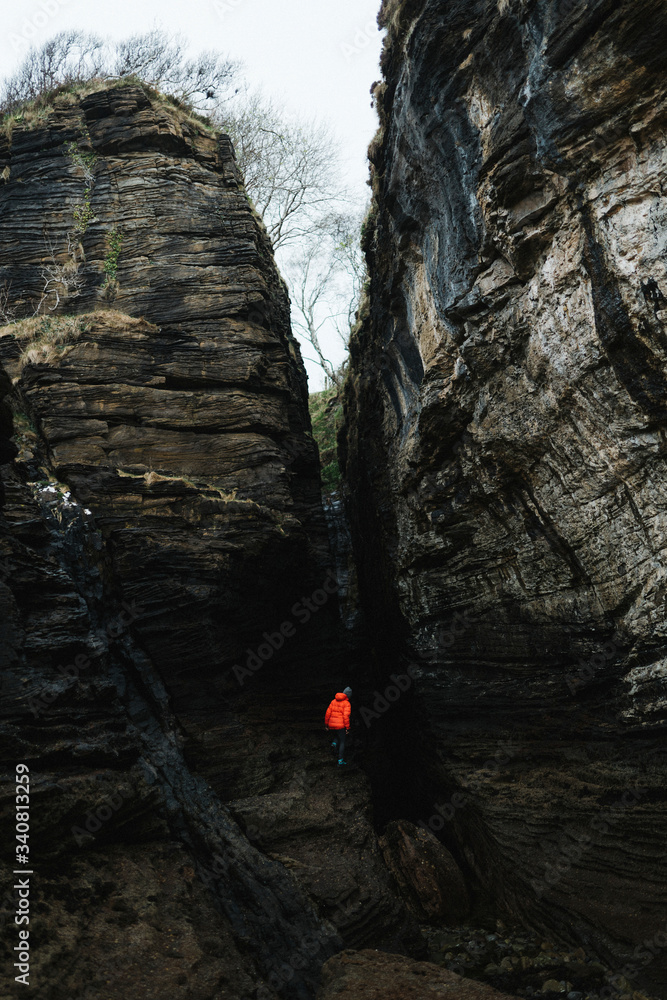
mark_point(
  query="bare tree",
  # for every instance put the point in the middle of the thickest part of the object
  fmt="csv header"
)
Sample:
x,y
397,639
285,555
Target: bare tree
x,y
350,260
68,58
310,283
7,311
326,277
293,175
62,278
157,58
291,167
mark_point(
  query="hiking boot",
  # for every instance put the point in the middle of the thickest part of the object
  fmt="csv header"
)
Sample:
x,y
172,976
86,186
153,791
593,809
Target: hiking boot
x,y
342,763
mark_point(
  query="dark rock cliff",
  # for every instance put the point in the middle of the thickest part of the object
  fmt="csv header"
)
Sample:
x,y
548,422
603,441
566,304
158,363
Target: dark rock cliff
x,y
505,445
161,522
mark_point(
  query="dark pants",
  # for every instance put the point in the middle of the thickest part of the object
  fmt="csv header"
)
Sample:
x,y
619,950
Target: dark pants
x,y
339,737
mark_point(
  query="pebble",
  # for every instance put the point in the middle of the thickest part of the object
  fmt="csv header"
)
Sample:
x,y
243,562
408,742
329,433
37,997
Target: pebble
x,y
552,986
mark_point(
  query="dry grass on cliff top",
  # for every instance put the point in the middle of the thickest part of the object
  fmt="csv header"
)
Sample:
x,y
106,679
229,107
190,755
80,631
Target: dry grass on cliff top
x,y
44,339
35,113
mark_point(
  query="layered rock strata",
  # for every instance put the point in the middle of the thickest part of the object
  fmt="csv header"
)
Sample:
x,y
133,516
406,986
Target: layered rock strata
x,y
505,447
169,626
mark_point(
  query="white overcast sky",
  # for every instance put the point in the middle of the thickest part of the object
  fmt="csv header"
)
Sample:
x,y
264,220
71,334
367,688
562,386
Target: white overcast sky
x,y
320,58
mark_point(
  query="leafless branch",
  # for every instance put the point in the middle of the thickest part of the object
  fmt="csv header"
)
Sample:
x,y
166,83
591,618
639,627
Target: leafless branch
x,y
7,313
157,58
290,166
62,278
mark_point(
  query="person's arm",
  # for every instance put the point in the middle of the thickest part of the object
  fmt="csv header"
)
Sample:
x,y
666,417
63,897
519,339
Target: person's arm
x,y
327,717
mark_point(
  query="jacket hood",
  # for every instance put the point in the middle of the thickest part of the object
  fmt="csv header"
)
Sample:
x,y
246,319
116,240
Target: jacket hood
x,y
341,697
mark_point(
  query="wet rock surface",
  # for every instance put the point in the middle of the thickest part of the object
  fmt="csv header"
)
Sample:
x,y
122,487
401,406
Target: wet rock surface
x,y
505,440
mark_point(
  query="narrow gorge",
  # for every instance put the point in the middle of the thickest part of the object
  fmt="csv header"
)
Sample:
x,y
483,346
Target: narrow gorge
x,y
178,604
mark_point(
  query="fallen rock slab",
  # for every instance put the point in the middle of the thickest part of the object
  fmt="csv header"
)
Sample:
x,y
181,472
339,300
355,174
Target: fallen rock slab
x,y
376,975
429,878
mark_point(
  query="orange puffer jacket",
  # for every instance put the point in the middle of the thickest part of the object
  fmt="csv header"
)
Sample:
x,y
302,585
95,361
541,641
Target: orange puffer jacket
x,y
338,713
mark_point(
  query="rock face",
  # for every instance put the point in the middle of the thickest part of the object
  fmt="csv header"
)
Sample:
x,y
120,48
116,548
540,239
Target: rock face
x,y
197,412
169,628
505,446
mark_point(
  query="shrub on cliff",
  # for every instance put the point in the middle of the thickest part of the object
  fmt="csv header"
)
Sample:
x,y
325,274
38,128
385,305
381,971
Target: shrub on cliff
x,y
75,58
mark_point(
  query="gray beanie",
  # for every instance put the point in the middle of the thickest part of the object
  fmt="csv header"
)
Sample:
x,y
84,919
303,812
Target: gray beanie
x,y
348,692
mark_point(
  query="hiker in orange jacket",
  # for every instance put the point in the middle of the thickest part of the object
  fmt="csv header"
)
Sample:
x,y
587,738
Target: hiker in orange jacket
x,y
337,719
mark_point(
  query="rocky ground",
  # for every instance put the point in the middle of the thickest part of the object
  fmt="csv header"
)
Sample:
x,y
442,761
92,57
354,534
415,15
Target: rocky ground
x,y
473,962
374,975
525,964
